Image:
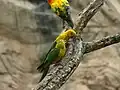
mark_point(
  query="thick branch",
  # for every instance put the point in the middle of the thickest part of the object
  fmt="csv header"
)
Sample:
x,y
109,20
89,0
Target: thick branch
x,y
87,14
58,75
95,45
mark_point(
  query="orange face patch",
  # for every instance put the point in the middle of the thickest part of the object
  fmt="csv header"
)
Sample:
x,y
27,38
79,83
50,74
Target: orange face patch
x,y
50,1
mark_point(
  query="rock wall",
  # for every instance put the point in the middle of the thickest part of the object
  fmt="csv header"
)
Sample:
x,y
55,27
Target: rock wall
x,y
26,31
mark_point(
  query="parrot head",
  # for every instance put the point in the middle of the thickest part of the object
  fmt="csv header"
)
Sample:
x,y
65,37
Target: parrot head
x,y
71,33
60,44
66,35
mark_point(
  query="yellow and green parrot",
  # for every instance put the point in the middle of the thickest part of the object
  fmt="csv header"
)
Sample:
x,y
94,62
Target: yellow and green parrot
x,y
62,9
56,52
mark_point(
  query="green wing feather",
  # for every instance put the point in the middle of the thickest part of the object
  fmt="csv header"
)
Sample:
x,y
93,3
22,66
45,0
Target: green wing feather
x,y
53,54
43,58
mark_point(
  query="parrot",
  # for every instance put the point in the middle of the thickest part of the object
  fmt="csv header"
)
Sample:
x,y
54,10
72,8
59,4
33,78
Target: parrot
x,y
62,9
56,52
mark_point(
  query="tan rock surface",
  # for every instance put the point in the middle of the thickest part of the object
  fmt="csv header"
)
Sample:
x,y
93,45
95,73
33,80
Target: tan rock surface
x,y
20,47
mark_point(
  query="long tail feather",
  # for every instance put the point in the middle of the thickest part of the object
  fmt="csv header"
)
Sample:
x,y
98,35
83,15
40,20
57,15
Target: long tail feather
x,y
70,23
45,71
40,68
69,18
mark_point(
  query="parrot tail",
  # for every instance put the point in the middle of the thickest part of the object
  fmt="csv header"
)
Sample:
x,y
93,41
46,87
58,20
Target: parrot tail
x,y
45,71
70,23
69,18
44,67
40,68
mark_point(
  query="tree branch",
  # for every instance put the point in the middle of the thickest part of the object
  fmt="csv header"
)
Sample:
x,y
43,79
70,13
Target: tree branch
x,y
87,14
58,75
95,45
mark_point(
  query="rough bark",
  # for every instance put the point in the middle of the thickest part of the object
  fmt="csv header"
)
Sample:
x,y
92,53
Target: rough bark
x,y
95,45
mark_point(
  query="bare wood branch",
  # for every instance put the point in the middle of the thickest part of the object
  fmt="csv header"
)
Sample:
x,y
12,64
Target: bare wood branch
x,y
95,45
87,14
58,75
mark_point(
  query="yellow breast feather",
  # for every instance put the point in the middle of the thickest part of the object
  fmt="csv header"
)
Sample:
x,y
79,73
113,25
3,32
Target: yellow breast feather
x,y
62,52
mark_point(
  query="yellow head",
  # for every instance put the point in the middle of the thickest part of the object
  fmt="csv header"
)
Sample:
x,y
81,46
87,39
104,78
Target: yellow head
x,y
66,35
70,33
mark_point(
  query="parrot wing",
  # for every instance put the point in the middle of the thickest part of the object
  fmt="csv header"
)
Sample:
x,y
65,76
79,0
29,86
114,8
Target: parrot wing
x,y
43,58
52,55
